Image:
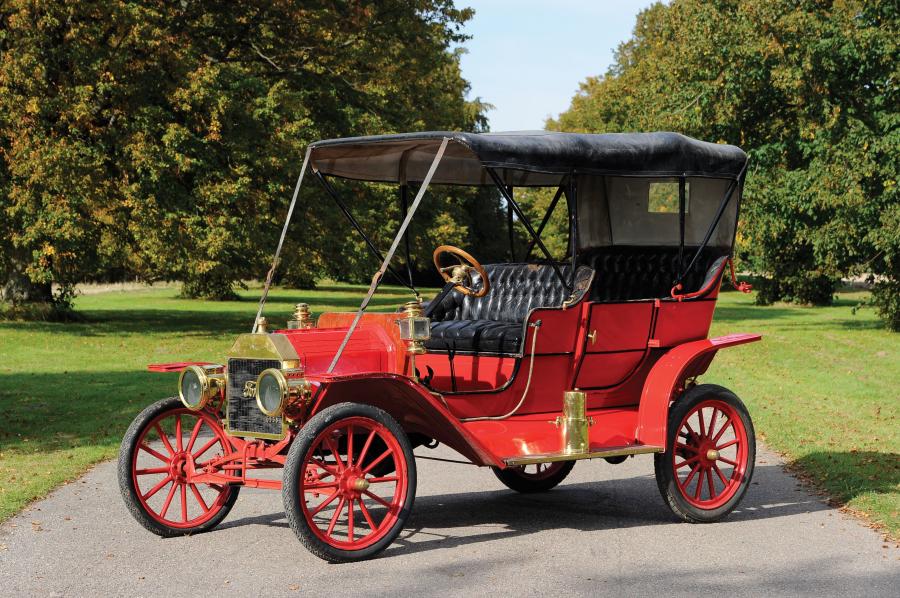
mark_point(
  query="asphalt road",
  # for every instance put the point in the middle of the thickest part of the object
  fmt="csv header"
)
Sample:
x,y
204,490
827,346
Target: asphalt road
x,y
605,530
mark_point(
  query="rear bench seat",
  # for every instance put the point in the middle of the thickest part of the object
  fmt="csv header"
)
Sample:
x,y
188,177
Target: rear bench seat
x,y
494,324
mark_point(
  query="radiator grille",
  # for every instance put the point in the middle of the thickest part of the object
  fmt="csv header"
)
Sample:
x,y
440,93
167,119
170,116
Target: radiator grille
x,y
244,416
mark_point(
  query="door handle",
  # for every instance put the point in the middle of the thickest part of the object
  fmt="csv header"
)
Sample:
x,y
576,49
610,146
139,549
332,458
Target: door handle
x,y
593,336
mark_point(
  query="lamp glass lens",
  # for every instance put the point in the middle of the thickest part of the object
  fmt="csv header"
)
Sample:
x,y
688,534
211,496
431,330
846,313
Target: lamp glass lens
x,y
191,388
269,393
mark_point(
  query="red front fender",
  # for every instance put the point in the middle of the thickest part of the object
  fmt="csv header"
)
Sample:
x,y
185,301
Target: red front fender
x,y
412,405
668,375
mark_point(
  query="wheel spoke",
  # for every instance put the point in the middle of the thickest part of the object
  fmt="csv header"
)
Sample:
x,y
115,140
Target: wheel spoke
x,y
687,447
710,483
350,449
702,423
337,457
350,519
156,454
323,504
378,499
727,444
316,486
699,487
712,421
377,461
194,433
690,476
329,471
689,428
157,488
365,448
367,515
178,433
724,427
206,447
164,437
334,518
729,461
719,473
168,502
151,470
687,461
199,498
392,478
184,503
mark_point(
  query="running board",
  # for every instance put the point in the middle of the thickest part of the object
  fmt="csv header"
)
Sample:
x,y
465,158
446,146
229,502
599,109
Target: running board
x,y
615,451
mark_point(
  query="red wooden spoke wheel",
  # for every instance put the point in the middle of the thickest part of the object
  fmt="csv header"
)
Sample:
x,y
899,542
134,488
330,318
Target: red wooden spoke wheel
x,y
164,443
534,478
710,454
349,482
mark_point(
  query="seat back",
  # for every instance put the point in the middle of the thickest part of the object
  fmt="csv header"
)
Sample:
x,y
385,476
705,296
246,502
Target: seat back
x,y
515,290
626,273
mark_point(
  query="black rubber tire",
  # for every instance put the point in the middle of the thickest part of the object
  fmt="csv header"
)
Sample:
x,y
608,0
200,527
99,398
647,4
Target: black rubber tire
x,y
126,484
664,472
290,491
513,478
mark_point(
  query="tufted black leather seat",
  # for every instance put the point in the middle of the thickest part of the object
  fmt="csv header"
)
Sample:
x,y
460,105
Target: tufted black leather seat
x,y
495,323
626,273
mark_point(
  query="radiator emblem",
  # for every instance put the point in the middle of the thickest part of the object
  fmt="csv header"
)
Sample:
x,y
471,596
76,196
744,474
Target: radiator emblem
x,y
249,389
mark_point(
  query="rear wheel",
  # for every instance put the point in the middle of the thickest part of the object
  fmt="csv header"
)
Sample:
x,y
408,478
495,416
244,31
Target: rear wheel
x,y
349,482
539,477
163,442
710,452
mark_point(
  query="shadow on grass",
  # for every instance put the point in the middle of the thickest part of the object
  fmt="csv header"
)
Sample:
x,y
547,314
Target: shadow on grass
x,y
847,475
60,411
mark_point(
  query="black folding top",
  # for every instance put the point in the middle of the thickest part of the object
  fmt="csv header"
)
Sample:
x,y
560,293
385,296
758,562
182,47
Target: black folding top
x,y
532,158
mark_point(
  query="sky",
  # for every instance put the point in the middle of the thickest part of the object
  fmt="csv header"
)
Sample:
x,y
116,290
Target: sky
x,y
527,57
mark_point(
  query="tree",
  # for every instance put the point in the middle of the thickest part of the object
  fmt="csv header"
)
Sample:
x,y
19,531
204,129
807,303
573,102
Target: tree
x,y
810,89
162,140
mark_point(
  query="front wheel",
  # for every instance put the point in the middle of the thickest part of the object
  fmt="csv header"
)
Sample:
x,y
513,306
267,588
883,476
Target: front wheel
x,y
349,482
539,477
710,452
164,442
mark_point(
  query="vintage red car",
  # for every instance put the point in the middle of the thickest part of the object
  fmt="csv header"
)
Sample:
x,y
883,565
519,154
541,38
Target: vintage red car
x,y
524,367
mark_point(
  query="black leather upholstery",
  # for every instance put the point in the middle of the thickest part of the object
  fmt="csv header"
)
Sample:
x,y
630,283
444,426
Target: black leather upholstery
x,y
495,323
626,273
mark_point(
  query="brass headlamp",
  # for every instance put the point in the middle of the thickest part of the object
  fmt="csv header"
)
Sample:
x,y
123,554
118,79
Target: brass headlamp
x,y
302,317
276,389
198,384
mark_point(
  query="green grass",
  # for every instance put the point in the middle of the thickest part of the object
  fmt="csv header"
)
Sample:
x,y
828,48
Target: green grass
x,y
822,386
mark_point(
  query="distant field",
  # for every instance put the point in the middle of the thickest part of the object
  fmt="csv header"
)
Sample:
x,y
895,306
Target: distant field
x,y
822,387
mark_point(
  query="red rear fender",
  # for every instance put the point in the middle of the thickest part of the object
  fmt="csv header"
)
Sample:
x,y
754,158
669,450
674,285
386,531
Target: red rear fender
x,y
668,376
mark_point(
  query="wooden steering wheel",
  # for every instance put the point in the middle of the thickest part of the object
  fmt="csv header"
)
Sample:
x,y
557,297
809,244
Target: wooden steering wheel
x,y
460,274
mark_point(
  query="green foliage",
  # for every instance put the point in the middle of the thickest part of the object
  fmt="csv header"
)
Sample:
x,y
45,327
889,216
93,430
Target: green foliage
x,y
810,90
160,140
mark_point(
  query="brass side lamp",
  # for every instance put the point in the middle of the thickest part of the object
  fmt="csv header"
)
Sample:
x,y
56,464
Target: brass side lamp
x,y
415,329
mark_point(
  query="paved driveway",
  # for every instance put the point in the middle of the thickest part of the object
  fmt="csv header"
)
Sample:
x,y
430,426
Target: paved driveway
x,y
604,531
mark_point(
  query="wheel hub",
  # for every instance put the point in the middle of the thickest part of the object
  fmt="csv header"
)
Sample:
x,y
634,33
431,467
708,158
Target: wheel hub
x,y
178,466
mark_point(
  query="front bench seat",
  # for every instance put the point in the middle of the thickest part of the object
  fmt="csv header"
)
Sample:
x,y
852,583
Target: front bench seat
x,y
495,323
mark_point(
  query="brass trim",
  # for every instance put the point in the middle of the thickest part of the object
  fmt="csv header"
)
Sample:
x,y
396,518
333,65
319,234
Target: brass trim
x,y
212,380
263,346
291,389
302,318
282,386
574,423
599,454
593,337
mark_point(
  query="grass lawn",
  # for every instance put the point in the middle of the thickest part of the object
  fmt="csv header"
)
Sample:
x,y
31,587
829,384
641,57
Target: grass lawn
x,y
822,387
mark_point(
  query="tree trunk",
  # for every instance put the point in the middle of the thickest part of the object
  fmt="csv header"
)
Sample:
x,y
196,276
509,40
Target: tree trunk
x,y
18,288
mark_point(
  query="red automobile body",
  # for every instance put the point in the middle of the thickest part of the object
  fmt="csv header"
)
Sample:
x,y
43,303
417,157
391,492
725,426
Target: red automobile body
x,y
632,359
